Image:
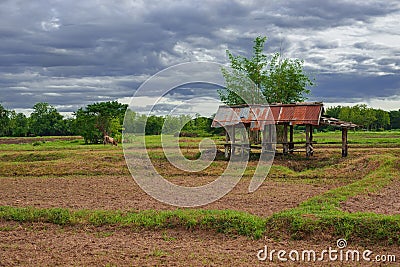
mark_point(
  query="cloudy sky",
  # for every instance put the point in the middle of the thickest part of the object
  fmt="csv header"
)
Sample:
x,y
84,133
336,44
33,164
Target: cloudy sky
x,y
73,53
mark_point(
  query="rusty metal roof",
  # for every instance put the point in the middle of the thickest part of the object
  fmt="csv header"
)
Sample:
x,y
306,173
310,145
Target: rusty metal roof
x,y
336,122
259,115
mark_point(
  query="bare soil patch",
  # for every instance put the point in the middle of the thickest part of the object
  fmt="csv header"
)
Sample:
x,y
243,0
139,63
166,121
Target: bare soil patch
x,y
385,201
122,193
42,244
99,179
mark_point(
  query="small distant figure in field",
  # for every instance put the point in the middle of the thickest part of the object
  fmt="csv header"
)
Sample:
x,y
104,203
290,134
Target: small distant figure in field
x,y
109,140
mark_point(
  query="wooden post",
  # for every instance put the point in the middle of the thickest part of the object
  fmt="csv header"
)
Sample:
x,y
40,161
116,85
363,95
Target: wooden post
x,y
285,139
233,139
308,150
270,137
311,140
291,144
252,136
227,145
344,142
264,140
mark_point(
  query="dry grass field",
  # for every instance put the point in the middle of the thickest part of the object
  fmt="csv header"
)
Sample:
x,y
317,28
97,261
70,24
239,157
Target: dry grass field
x,y
66,203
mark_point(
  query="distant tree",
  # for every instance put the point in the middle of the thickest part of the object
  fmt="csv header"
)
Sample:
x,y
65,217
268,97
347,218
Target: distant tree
x,y
201,126
347,114
116,129
104,112
100,119
154,125
333,112
4,121
45,120
174,124
394,116
203,123
369,118
69,126
134,122
130,116
86,127
382,119
276,79
18,124
358,114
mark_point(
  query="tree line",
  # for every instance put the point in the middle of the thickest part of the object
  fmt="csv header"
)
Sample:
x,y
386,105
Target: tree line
x,y
107,118
366,117
92,122
96,120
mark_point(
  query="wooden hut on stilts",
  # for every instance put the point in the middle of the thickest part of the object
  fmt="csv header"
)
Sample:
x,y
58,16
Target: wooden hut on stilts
x,y
260,120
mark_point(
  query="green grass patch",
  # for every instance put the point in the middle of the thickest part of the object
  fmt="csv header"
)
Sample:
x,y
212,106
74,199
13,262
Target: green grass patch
x,y
359,227
55,215
322,214
31,157
357,137
224,221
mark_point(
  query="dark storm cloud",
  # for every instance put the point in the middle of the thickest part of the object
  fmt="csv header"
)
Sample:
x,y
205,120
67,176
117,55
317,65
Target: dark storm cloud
x,y
195,90
73,53
369,46
355,87
316,15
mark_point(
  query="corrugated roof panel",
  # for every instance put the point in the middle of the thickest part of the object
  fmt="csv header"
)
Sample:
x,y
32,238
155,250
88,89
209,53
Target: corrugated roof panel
x,y
288,114
314,112
258,115
300,113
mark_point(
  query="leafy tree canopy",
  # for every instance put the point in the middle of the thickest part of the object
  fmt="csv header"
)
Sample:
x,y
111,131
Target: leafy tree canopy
x,y
99,119
18,124
276,79
369,118
45,120
394,117
4,121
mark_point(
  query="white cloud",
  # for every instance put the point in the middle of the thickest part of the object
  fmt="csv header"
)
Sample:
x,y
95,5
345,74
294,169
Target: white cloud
x,y
51,24
52,94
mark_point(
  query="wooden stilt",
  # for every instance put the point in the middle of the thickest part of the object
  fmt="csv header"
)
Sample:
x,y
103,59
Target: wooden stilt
x,y
264,140
270,147
308,143
311,140
285,139
233,139
344,142
227,145
291,144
